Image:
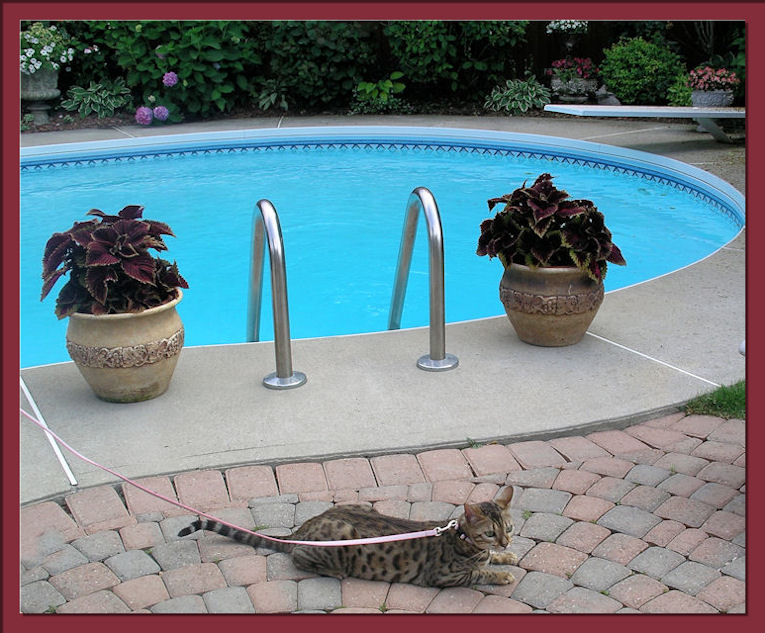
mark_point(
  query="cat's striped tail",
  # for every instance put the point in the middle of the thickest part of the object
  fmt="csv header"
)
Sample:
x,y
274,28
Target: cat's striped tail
x,y
237,535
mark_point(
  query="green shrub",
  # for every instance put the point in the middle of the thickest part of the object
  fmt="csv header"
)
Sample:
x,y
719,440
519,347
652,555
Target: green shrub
x,y
380,96
518,96
640,72
101,99
679,93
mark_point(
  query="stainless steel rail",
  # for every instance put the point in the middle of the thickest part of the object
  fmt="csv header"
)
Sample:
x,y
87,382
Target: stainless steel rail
x,y
266,220
422,198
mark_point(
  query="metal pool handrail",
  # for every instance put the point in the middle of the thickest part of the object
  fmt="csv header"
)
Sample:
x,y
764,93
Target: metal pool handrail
x,y
422,198
266,220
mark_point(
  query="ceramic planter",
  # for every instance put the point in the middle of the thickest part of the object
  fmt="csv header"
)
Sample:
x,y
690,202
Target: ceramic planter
x,y
551,307
127,357
711,98
38,88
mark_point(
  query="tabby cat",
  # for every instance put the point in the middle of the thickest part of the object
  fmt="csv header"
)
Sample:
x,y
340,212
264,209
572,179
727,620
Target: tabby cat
x,y
457,557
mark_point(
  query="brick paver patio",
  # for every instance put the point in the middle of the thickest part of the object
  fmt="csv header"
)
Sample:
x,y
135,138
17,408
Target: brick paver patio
x,y
648,519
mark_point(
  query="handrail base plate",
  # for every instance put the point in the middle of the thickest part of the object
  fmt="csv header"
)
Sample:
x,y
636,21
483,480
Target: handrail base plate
x,y
449,361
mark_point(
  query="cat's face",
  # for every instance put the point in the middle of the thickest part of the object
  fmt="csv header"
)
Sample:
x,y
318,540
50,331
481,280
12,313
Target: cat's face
x,y
489,525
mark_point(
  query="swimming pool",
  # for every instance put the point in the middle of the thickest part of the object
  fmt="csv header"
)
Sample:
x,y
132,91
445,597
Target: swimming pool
x,y
341,195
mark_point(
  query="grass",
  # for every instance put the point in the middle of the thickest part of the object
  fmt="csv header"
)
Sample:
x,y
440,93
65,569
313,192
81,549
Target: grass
x,y
725,402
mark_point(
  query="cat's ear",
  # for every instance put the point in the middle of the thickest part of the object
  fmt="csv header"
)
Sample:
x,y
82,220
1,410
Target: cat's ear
x,y
470,513
504,498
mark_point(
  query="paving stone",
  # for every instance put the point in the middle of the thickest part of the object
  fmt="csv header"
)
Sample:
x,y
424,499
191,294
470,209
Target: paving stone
x,y
731,431
536,454
636,590
681,463
420,492
587,508
33,575
400,509
301,477
279,566
506,590
42,517
385,493
520,546
345,610
182,604
490,459
724,593
583,536
726,525
576,482
646,456
663,533
39,597
666,421
446,464
740,539
697,425
500,604
681,485
132,564
139,536
715,495
647,475
656,562
581,600
688,511
455,600
686,445
599,574
688,540
83,580
351,473
718,451
393,470
244,570
736,568
357,592
141,503
484,491
737,505
250,482
551,558
274,597
98,602
620,548
716,552
308,509
34,548
431,511
176,554
533,478
725,474
228,600
97,509
577,448
193,579
610,488
539,589
607,466
628,519
62,560
285,498
142,592
690,577
274,514
543,500
675,601
658,438
452,492
616,442
408,597
101,545
172,525
203,489
545,527
646,498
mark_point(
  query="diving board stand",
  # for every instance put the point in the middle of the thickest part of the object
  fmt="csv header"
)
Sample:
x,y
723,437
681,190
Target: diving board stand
x,y
704,116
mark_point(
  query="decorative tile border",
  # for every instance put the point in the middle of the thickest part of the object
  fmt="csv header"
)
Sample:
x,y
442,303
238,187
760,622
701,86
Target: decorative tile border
x,y
426,146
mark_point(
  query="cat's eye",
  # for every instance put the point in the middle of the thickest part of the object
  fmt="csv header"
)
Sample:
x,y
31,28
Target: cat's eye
x,y
509,529
490,534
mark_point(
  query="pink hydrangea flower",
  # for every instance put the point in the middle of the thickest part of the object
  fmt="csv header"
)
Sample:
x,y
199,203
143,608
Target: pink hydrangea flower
x,y
170,79
161,113
143,115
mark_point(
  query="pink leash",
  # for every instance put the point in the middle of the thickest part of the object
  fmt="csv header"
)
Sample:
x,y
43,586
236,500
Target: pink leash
x,y
360,541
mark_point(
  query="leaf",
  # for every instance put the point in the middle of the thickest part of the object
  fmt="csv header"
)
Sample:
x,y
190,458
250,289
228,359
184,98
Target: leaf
x,y
140,268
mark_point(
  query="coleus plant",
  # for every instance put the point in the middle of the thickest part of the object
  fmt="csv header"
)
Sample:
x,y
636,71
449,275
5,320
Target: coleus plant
x,y
110,268
541,226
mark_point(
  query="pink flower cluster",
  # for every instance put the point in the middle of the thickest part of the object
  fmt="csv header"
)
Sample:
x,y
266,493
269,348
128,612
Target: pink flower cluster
x,y
707,78
569,68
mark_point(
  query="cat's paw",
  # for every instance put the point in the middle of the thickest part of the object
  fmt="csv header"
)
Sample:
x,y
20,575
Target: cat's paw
x,y
504,558
504,578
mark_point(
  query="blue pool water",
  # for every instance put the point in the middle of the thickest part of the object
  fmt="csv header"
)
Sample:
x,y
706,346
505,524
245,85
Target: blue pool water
x,y
341,208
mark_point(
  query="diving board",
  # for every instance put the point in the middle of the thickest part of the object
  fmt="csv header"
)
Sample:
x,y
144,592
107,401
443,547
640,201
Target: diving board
x,y
704,116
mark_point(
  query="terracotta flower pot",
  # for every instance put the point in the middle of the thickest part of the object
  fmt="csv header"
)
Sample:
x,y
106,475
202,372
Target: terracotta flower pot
x,y
551,307
127,357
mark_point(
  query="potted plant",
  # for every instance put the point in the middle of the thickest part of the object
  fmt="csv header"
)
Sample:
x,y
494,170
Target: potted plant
x,y
573,79
43,50
555,251
712,88
124,333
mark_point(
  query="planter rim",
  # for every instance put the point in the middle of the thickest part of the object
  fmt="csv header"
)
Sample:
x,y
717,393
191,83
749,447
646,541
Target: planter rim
x,y
546,270
127,315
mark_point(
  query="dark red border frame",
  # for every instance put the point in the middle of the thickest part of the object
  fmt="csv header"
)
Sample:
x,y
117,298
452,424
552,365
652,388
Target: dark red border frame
x,y
12,12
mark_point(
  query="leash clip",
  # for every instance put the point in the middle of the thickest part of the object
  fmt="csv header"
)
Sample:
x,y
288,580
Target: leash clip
x,y
449,526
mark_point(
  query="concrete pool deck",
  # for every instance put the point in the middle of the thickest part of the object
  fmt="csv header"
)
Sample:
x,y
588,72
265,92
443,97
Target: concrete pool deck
x,y
649,519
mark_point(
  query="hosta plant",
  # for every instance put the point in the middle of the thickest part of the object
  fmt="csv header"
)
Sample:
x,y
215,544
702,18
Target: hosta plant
x,y
518,96
110,267
541,226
